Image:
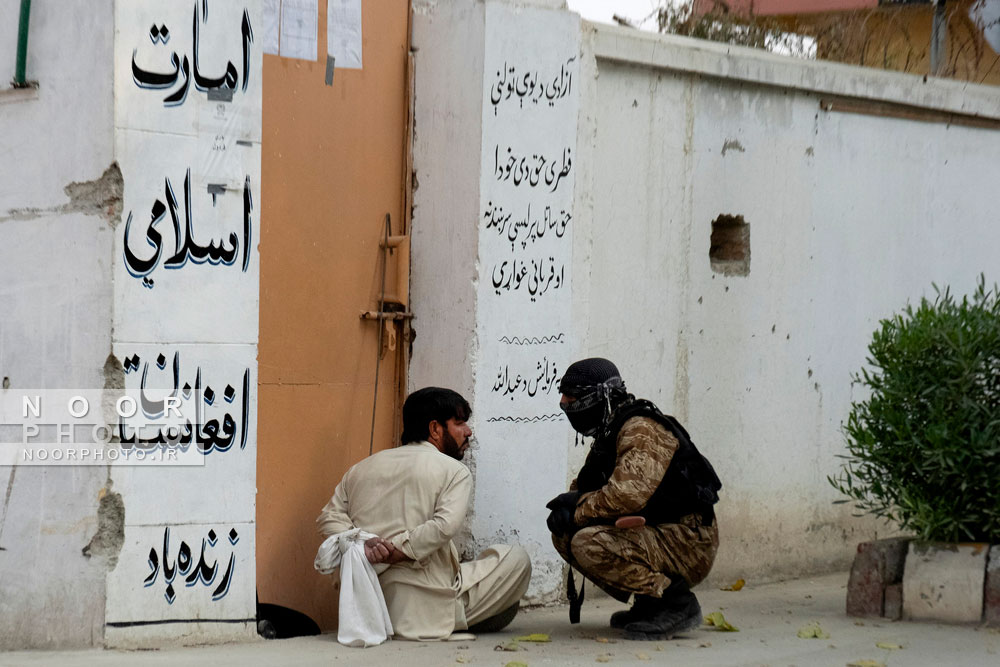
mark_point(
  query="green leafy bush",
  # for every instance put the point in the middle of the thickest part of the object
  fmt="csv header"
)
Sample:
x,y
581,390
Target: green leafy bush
x,y
925,445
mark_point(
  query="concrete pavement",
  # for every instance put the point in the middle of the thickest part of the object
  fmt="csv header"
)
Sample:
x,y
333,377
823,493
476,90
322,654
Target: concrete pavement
x,y
768,617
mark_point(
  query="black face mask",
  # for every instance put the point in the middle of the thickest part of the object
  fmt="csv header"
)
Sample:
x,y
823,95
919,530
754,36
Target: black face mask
x,y
587,413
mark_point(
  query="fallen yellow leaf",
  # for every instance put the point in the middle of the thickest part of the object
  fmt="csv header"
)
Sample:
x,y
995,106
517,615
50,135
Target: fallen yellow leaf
x,y
509,646
719,621
604,658
642,656
888,646
461,659
740,583
602,640
516,663
533,637
866,663
812,631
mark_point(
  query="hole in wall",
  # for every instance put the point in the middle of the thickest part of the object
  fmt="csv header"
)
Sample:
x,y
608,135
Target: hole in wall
x,y
729,252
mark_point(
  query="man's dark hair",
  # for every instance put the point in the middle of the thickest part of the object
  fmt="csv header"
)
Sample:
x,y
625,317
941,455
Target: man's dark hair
x,y
431,404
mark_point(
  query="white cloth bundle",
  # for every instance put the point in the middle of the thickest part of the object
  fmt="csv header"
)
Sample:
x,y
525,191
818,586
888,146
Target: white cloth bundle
x,y
364,618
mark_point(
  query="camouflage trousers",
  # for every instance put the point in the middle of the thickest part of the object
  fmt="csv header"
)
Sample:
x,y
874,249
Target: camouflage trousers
x,y
622,561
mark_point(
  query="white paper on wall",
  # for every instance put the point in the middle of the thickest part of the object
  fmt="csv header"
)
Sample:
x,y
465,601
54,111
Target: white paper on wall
x,y
271,26
299,26
343,33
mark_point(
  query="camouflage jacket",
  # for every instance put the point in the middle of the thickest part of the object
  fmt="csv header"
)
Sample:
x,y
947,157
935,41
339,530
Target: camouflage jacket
x,y
644,451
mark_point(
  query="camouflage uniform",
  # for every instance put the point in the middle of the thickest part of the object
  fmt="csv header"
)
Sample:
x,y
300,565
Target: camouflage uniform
x,y
635,560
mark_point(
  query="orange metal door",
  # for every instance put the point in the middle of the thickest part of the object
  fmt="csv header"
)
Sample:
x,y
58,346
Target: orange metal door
x,y
333,166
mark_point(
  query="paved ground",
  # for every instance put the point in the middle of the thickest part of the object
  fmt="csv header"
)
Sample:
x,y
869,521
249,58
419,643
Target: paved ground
x,y
767,616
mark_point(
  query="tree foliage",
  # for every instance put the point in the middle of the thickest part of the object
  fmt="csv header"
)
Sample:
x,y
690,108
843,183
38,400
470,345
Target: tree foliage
x,y
885,37
924,447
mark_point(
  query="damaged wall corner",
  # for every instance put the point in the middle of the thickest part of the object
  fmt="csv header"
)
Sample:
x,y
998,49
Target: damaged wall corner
x,y
101,197
107,541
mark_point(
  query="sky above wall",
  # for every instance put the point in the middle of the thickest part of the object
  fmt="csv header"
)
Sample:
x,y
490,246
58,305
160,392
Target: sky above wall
x,y
602,10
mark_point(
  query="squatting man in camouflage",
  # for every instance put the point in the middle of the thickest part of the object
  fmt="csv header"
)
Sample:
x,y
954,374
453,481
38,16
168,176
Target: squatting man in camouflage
x,y
638,519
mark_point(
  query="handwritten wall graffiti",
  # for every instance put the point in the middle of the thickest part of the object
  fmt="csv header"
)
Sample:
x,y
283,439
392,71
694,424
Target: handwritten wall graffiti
x,y
509,383
522,85
533,340
187,135
185,247
224,85
525,253
525,229
190,403
532,170
203,573
535,276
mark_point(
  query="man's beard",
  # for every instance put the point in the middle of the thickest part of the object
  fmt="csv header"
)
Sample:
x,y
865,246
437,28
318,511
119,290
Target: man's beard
x,y
450,447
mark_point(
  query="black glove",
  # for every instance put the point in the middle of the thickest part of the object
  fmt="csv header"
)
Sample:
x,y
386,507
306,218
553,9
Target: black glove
x,y
561,519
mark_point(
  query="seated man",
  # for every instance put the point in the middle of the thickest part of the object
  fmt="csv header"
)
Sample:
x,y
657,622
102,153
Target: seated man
x,y
638,519
414,498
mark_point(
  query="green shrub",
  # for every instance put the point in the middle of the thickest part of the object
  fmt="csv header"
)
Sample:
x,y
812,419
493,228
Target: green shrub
x,y
925,445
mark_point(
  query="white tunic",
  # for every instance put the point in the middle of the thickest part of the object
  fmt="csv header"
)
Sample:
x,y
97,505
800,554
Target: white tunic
x,y
417,498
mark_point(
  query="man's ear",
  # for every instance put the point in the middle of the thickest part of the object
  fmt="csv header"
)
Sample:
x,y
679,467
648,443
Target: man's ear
x,y
434,430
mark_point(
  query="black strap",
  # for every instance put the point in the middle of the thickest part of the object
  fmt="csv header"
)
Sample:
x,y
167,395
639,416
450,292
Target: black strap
x,y
575,600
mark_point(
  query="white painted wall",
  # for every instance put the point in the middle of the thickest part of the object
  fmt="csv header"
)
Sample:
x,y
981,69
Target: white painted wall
x,y
850,216
499,215
189,149
93,554
55,308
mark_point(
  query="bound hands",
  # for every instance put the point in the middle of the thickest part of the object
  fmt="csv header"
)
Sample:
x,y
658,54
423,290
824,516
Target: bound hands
x,y
378,550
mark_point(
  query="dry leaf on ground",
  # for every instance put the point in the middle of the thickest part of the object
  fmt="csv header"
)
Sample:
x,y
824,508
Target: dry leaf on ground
x,y
509,646
533,637
812,631
604,658
516,663
643,656
735,586
719,621
866,663
888,646
462,659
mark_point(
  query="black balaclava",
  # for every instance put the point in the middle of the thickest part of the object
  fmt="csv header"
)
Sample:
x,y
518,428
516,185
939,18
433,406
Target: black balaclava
x,y
598,389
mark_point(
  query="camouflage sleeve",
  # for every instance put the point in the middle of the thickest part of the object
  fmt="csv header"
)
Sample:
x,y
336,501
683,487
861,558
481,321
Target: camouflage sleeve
x,y
645,449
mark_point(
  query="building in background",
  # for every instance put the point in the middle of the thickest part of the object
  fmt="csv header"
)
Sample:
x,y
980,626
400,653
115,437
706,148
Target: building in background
x,y
949,38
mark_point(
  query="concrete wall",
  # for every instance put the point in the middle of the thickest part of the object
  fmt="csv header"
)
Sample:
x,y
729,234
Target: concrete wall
x,y
850,215
59,197
493,239
186,274
860,188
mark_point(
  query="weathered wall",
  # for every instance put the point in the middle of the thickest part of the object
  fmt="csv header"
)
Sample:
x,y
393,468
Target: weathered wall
x,y
493,240
186,267
850,215
59,197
